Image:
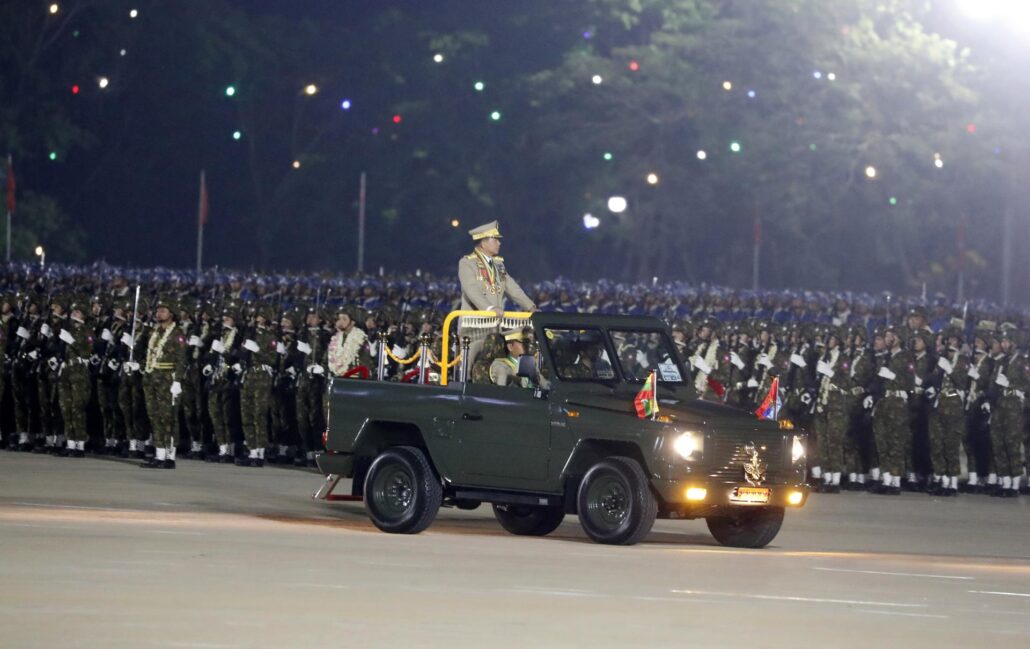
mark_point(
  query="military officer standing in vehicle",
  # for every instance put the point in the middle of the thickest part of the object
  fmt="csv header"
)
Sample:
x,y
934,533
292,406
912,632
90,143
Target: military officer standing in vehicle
x,y
947,396
165,366
485,282
891,421
1011,378
256,393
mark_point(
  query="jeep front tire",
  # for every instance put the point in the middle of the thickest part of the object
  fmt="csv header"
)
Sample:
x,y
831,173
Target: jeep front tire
x,y
529,520
745,527
615,502
402,492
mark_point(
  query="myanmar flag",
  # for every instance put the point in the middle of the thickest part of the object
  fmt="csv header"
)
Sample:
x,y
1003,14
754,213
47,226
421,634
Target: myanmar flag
x,y
770,408
647,399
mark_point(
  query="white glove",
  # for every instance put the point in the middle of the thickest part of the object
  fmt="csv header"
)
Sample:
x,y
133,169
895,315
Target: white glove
x,y
930,392
945,365
252,346
292,371
986,407
735,359
113,365
303,347
824,368
52,362
23,333
46,330
885,373
127,339
919,381
67,337
280,349
867,403
765,361
798,360
217,346
195,341
700,365
806,398
751,383
1002,380
106,335
131,366
207,370
974,374
236,367
34,354
176,389
317,369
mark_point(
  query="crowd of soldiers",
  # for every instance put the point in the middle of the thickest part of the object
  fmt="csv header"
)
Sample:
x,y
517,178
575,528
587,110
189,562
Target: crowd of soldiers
x,y
232,368
889,407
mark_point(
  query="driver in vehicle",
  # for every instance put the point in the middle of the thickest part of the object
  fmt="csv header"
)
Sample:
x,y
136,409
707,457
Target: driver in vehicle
x,y
504,371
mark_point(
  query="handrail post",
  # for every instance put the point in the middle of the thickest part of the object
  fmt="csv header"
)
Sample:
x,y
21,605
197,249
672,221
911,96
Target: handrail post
x,y
381,356
423,358
463,372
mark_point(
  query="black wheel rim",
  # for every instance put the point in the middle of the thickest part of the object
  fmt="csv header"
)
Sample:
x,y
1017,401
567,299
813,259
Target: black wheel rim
x,y
393,490
608,502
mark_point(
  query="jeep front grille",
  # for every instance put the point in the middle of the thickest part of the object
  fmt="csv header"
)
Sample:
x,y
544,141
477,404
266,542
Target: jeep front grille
x,y
725,456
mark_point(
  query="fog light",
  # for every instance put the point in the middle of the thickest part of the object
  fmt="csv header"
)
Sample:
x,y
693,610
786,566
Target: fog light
x,y
795,498
696,493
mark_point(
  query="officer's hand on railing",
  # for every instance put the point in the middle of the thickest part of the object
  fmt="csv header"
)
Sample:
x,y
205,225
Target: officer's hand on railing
x,y
867,403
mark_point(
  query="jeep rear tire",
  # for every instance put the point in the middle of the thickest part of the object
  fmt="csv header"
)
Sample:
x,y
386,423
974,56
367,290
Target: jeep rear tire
x,y
615,502
529,520
402,493
745,527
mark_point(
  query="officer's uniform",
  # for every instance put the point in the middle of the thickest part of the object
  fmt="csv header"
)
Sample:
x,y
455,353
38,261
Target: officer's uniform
x,y
947,398
312,343
485,283
222,373
73,378
505,370
1012,378
833,405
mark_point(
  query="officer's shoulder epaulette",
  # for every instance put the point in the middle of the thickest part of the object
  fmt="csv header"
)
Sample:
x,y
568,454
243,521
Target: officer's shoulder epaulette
x,y
471,256
498,258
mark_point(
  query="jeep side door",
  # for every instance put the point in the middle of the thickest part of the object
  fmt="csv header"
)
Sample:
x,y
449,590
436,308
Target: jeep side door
x,y
504,436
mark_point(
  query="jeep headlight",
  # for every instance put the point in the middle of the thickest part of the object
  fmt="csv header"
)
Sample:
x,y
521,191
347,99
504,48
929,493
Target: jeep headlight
x,y
797,449
687,444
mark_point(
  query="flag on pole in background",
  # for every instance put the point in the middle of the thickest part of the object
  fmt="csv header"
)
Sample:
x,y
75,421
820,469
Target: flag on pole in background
x,y
646,402
770,408
202,207
10,186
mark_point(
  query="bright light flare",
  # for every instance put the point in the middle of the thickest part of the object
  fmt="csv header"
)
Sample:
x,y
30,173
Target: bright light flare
x,y
797,449
133,13
438,58
296,164
702,155
103,82
795,498
870,172
54,8
455,223
652,178
39,251
727,85
590,221
685,445
696,493
617,204
597,79
310,89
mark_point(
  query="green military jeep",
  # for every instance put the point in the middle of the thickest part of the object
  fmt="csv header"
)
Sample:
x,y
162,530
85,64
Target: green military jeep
x,y
566,439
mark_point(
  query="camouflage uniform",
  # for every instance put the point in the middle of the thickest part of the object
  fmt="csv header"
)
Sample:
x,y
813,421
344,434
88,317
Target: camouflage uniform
x,y
288,365
1012,380
493,349
312,344
891,422
859,440
256,393
833,410
948,416
223,372
165,366
977,440
74,379
131,399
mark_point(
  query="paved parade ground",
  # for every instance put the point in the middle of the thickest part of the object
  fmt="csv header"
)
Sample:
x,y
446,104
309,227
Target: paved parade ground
x,y
99,553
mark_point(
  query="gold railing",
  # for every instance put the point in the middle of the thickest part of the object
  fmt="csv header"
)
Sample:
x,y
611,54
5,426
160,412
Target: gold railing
x,y
445,343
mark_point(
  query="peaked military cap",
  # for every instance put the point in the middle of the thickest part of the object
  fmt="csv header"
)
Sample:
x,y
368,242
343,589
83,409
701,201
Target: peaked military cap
x,y
485,231
514,334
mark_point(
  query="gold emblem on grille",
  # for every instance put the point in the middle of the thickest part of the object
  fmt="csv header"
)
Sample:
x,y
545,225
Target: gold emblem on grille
x,y
754,468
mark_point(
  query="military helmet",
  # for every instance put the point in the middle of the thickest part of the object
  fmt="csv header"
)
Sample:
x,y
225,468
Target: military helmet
x,y
266,311
986,330
293,316
1015,336
165,301
859,331
927,336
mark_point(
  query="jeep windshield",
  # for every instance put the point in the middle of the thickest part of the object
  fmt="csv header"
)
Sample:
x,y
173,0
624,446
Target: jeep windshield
x,y
586,355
